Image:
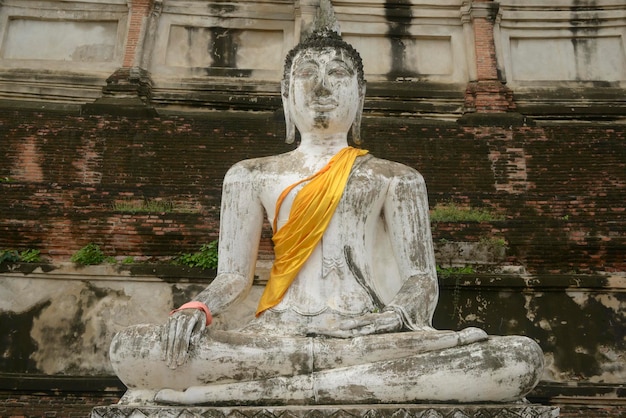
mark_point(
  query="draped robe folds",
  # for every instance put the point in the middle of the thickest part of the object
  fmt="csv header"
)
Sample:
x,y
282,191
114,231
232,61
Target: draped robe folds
x,y
310,214
382,225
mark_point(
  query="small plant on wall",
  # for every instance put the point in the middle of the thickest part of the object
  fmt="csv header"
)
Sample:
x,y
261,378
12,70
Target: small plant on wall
x,y
89,255
144,206
149,205
27,256
30,256
9,256
451,212
206,258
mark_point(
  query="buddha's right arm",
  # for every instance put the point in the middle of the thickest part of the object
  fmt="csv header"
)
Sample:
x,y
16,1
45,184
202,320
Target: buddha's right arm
x,y
241,222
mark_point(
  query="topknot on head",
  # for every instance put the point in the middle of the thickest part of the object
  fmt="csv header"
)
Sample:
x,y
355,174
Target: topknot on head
x,y
325,19
325,34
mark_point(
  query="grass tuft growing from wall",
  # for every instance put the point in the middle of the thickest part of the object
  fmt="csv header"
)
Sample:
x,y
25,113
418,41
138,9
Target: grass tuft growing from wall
x,y
451,212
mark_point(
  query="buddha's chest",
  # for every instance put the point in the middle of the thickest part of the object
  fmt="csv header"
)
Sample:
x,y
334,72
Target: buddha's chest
x,y
362,197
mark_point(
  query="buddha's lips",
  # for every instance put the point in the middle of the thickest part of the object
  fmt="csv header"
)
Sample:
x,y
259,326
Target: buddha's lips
x,y
324,106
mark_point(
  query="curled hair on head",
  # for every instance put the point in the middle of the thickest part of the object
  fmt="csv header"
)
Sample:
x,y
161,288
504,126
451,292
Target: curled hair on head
x,y
320,39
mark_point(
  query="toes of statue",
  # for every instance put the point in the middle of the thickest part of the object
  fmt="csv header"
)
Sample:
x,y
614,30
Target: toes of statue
x,y
168,396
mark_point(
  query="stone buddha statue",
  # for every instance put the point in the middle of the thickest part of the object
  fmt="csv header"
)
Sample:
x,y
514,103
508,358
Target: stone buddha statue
x,y
346,316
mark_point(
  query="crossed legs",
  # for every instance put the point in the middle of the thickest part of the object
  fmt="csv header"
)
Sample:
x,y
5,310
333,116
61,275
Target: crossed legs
x,y
229,367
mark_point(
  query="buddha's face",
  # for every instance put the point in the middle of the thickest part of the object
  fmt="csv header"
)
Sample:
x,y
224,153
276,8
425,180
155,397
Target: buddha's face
x,y
324,93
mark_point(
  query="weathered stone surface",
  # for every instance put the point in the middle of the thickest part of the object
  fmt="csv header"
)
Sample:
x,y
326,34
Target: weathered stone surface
x,y
375,411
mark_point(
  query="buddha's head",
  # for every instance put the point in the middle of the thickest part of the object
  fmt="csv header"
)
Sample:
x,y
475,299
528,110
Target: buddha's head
x,y
323,86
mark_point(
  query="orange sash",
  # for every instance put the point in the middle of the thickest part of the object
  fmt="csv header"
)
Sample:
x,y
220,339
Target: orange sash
x,y
311,212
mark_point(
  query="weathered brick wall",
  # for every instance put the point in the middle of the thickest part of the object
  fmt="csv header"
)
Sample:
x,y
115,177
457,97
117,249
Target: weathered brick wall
x,y
559,187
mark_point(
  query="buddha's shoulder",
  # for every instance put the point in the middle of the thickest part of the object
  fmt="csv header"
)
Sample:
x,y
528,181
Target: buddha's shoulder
x,y
262,165
390,169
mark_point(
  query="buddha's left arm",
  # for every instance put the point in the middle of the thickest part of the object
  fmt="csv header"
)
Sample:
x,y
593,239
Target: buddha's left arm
x,y
408,223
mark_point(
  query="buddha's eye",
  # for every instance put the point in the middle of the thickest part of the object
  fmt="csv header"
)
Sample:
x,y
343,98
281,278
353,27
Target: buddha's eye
x,y
306,71
339,71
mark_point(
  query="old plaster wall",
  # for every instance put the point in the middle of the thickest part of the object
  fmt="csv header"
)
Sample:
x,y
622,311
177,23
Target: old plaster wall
x,y
62,320
50,51
565,40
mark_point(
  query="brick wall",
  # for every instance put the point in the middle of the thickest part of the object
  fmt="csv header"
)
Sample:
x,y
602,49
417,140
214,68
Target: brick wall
x,y
559,187
139,10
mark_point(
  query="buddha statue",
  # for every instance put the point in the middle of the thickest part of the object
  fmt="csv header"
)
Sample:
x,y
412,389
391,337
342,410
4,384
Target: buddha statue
x,y
346,315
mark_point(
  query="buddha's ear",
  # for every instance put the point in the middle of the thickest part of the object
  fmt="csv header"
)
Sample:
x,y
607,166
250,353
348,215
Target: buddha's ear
x,y
290,127
356,125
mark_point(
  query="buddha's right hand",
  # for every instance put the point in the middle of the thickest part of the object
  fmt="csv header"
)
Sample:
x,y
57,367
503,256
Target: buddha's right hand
x,y
177,334
369,323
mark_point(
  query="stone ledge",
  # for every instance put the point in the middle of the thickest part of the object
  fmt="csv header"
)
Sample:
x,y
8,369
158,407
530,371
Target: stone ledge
x,y
339,411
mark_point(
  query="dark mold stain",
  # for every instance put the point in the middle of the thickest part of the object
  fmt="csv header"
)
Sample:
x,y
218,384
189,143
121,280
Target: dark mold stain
x,y
16,343
223,48
583,32
26,268
181,295
301,362
576,333
398,15
221,9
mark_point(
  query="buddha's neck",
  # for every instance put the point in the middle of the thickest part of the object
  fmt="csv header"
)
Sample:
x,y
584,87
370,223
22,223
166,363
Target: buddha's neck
x,y
320,146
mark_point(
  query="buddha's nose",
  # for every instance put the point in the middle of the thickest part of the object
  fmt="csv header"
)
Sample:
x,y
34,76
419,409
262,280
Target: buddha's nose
x,y
322,87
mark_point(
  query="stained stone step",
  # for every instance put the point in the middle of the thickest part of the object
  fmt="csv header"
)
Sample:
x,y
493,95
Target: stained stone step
x,y
339,411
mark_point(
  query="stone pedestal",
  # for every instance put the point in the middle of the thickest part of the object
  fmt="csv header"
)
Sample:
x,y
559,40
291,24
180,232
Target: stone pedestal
x,y
334,411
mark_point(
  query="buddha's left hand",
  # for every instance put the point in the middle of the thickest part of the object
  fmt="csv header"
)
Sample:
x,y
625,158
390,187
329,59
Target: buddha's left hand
x,y
370,323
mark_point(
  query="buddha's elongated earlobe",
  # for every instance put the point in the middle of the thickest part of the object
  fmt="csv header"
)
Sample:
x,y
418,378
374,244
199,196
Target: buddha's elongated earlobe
x,y
356,125
290,127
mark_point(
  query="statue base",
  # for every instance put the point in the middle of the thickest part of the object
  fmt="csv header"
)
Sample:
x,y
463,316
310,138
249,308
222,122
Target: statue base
x,y
334,411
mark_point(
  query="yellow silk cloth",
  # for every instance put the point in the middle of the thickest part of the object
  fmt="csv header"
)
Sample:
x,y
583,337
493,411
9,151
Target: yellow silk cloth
x,y
311,212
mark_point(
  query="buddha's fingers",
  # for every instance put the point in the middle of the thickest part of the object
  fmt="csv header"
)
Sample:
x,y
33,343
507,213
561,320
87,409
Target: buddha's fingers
x,y
336,333
171,342
165,332
183,335
390,325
